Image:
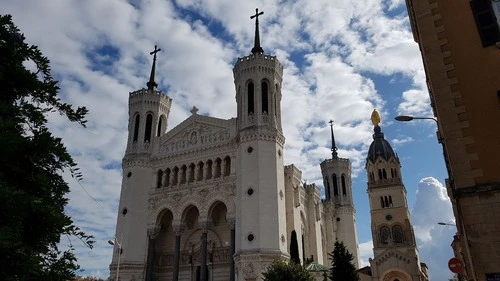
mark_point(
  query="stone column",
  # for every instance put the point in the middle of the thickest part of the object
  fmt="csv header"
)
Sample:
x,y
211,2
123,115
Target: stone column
x,y
177,231
153,233
203,254
231,222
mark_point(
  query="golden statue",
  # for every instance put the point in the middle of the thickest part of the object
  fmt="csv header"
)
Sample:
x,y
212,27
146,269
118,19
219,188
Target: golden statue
x,y
375,118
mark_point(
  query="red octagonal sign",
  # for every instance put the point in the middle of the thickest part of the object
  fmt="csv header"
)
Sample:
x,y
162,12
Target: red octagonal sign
x,y
455,265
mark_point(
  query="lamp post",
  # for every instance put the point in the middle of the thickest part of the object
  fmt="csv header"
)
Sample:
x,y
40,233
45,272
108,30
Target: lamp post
x,y
119,244
444,223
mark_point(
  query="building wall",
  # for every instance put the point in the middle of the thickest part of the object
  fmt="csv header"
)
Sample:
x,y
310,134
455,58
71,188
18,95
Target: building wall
x,y
464,83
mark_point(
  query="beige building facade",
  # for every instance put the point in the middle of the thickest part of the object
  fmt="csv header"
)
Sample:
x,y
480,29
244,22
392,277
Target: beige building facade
x,y
459,42
211,199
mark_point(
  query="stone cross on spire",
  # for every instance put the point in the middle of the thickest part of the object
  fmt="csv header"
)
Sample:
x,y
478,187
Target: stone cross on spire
x,y
152,84
257,49
334,146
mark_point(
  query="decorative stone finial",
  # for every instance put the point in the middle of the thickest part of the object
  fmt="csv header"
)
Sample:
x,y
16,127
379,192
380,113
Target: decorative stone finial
x,y
375,118
152,84
334,146
257,49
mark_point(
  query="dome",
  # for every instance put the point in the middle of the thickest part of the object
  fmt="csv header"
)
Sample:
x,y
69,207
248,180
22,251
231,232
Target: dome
x,y
380,147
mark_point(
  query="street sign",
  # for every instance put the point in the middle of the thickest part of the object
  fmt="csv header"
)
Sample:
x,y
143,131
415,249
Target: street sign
x,y
455,265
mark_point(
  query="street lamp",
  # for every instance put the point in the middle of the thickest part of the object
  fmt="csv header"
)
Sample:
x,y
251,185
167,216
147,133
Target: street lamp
x,y
444,223
119,244
405,118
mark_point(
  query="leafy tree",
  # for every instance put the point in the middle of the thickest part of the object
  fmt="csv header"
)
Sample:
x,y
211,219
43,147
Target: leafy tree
x,y
32,189
281,270
294,248
342,267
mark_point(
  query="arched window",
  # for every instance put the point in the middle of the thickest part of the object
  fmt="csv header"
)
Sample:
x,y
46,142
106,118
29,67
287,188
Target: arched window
x,y
335,186
395,173
384,173
265,101
227,166
385,234
160,129
175,180
159,178
379,174
275,101
344,191
183,174
200,171
250,98
392,173
382,202
191,172
386,201
397,234
149,123
390,201
209,169
136,127
167,177
218,168
327,189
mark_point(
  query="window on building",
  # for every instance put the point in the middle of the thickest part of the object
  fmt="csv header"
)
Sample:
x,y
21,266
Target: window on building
x,y
382,202
379,174
265,108
183,174
159,129
200,171
344,190
397,233
159,178
384,174
218,167
191,172
176,176
327,189
209,169
149,123
335,186
385,234
250,98
227,166
136,127
167,177
486,13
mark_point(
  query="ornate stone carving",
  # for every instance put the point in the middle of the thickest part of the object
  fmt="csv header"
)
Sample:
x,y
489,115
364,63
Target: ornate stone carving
x,y
248,271
154,231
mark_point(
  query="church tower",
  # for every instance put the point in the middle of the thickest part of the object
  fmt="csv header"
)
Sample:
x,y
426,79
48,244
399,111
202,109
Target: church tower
x,y
338,192
148,115
394,246
260,225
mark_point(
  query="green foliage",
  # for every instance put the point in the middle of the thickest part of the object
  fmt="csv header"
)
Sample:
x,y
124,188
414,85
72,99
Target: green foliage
x,y
294,248
32,189
281,270
342,267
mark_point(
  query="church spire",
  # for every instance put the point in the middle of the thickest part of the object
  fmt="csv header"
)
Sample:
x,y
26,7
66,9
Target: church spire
x,y
152,84
257,49
334,146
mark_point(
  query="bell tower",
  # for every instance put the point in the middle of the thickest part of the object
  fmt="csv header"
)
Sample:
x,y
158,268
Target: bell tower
x,y
394,245
338,192
260,228
148,114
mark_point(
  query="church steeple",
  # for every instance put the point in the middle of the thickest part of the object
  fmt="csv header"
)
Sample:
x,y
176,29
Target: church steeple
x,y
257,49
152,84
334,146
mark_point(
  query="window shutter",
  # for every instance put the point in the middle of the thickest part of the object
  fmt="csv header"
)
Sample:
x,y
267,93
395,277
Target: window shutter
x,y
485,21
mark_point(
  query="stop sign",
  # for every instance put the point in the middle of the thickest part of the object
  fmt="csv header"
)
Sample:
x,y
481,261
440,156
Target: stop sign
x,y
455,265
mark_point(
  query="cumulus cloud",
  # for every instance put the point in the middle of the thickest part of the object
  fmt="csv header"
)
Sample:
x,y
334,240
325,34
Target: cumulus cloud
x,y
432,205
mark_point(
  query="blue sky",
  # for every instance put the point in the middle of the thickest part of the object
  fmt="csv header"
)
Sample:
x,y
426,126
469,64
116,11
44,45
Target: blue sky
x,y
342,59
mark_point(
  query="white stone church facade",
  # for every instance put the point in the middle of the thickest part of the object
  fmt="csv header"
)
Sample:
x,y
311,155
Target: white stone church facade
x,y
211,199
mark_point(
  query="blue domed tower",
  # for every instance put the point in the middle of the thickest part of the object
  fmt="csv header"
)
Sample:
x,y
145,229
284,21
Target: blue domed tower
x,y
394,247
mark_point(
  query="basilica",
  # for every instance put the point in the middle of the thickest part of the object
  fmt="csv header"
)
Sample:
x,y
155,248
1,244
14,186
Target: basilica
x,y
211,198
